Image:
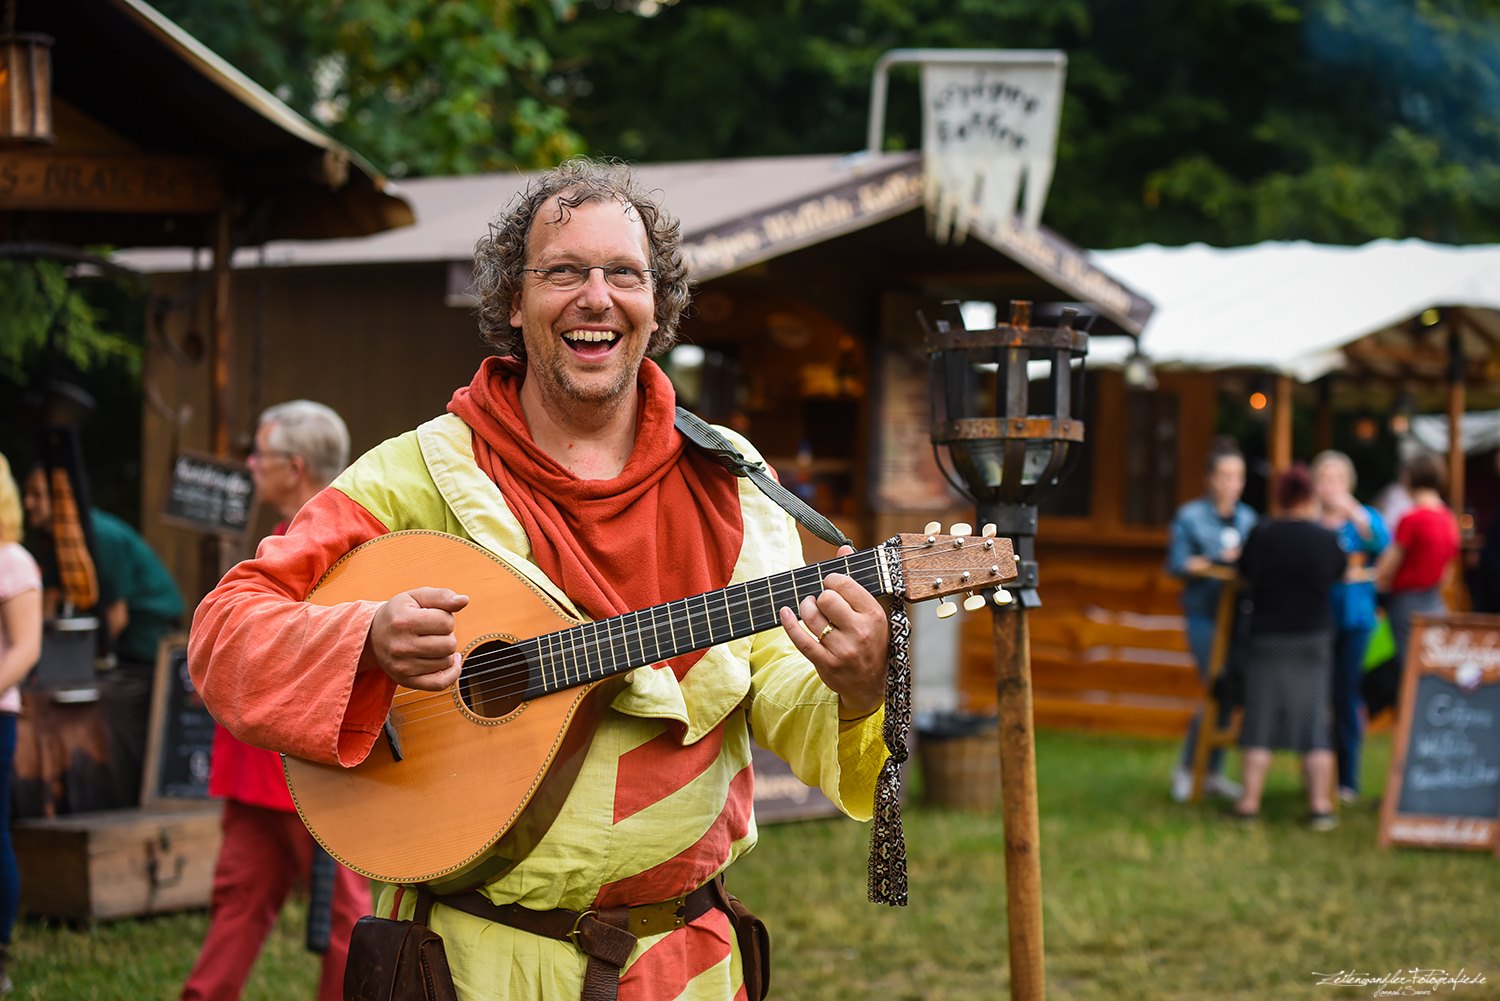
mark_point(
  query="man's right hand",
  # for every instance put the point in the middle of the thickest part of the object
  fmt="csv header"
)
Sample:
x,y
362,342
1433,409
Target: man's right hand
x,y
411,639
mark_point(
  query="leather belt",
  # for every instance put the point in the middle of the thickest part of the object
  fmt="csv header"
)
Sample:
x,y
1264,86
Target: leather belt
x,y
607,936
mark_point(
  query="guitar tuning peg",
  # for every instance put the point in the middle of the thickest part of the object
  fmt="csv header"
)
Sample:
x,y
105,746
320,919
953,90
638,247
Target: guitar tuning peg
x,y
932,528
989,531
961,528
946,609
1002,596
974,602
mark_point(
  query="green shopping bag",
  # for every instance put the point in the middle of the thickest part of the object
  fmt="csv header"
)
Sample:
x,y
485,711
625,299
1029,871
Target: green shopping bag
x,y
1382,643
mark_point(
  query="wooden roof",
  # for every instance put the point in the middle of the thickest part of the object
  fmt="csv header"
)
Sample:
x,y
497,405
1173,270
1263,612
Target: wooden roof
x,y
151,127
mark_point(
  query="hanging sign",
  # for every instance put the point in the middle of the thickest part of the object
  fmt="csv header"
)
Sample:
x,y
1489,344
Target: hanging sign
x,y
990,138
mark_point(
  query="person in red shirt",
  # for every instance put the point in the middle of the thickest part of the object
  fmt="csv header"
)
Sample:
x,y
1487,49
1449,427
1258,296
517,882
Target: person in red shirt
x,y
1419,562
300,446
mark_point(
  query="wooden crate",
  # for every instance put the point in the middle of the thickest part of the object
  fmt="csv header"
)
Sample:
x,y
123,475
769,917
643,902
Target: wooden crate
x,y
117,863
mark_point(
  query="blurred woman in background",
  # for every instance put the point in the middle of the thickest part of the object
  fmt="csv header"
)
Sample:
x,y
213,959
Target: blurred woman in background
x,y
1362,534
20,647
1205,538
1291,564
1419,562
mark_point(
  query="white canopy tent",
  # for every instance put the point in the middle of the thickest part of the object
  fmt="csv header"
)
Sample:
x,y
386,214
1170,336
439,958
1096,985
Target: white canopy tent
x,y
1292,307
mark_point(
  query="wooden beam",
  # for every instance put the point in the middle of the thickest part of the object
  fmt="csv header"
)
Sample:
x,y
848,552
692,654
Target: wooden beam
x,y
1324,432
1456,406
126,183
220,341
1280,445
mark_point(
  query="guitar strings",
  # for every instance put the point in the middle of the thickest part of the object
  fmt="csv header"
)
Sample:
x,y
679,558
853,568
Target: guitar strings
x,y
586,649
513,657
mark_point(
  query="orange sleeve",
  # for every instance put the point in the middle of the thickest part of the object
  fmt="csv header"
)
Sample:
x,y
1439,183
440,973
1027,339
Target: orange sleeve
x,y
279,672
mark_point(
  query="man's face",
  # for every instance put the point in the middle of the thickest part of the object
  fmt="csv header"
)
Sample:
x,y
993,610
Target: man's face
x,y
273,471
585,345
36,501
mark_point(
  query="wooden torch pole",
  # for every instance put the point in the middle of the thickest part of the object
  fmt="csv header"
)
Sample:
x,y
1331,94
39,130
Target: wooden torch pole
x,y
1018,804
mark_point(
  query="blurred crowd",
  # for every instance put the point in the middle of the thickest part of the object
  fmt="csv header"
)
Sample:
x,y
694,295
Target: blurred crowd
x,y
1301,616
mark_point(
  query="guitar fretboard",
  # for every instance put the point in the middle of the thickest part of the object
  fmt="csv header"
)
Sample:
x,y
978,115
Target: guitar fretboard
x,y
597,650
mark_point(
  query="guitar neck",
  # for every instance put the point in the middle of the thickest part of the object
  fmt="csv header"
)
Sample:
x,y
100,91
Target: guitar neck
x,y
598,650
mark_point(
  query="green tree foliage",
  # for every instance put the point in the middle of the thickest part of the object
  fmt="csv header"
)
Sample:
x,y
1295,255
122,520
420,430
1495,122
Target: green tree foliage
x,y
417,86
1228,121
39,309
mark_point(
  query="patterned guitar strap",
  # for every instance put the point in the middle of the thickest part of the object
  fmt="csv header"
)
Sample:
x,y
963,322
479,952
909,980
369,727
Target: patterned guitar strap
x,y
887,865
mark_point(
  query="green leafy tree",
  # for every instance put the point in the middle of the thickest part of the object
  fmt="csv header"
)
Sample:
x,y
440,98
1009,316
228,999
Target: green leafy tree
x,y
1229,121
417,86
41,311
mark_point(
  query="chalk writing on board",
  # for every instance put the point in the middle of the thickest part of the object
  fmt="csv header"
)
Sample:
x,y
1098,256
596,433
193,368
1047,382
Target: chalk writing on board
x,y
1444,786
210,494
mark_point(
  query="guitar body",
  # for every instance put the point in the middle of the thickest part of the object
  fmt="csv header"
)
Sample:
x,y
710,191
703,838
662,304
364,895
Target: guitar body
x,y
477,773
478,782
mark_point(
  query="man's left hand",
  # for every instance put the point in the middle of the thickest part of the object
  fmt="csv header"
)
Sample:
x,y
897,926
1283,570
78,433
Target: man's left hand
x,y
845,633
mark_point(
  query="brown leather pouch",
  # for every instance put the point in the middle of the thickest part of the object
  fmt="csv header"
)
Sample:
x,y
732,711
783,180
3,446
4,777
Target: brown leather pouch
x,y
396,961
754,939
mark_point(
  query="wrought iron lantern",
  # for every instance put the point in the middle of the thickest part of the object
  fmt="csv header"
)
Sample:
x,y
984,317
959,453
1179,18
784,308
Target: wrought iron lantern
x,y
1007,420
25,83
1007,424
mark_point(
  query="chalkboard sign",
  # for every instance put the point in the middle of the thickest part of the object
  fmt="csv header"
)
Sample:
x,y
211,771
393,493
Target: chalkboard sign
x,y
209,494
181,737
1444,785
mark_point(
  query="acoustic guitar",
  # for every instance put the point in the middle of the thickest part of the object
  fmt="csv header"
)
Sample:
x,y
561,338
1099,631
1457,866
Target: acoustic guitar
x,y
462,783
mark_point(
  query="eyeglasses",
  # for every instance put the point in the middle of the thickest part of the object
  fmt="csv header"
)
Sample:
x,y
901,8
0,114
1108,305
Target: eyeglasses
x,y
574,276
256,454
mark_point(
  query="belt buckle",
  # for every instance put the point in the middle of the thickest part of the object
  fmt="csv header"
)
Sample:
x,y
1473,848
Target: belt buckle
x,y
577,922
653,919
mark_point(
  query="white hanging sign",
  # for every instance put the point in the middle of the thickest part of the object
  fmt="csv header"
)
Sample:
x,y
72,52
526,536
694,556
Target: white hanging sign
x,y
987,128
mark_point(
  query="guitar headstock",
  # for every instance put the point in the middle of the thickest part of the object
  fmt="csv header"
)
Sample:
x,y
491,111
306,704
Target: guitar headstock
x,y
935,566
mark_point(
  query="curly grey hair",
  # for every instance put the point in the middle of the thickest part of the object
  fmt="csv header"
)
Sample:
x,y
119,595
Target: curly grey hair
x,y
500,256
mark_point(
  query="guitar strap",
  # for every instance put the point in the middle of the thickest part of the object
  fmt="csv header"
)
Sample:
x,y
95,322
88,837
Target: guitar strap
x,y
698,431
887,864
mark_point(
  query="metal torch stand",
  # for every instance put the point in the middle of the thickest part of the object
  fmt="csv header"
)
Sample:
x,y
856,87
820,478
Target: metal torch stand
x,y
1018,801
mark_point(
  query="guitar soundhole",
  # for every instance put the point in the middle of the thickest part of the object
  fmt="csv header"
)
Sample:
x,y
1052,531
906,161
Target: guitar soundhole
x,y
493,680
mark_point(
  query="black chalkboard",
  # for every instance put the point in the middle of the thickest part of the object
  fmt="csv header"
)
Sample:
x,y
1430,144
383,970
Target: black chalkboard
x,y
182,732
1444,784
213,495
1453,752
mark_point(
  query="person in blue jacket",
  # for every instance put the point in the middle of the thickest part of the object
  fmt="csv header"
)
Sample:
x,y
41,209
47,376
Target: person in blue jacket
x,y
1208,532
1363,536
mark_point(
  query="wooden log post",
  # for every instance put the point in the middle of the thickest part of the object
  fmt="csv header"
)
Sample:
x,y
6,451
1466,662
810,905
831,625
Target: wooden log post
x,y
1018,804
1457,404
213,549
1280,445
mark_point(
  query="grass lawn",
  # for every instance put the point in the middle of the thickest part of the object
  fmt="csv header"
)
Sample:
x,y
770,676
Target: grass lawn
x,y
1145,899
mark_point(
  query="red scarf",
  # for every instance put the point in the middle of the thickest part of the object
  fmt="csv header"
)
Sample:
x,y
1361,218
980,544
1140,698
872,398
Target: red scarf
x,y
667,527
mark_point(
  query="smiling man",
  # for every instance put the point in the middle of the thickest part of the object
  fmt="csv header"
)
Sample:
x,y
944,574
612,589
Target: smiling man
x,y
561,457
